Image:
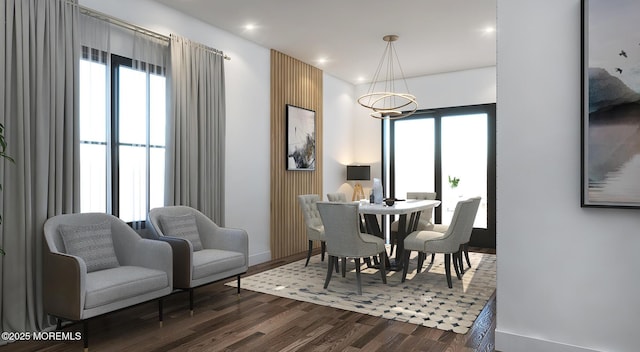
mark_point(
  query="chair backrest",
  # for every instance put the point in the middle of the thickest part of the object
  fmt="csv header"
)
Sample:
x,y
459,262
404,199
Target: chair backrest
x,y
309,208
342,229
122,235
337,197
460,226
471,218
425,215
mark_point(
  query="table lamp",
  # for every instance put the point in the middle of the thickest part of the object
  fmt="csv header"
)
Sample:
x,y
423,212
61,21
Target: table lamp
x,y
358,173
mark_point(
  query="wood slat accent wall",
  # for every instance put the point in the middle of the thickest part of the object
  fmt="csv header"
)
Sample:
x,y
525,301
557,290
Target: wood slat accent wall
x,y
296,83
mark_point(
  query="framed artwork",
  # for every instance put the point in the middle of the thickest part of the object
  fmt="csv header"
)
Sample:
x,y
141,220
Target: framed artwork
x,y
610,103
301,138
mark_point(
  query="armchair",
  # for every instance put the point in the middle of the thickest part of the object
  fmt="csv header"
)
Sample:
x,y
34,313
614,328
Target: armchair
x,y
94,263
203,252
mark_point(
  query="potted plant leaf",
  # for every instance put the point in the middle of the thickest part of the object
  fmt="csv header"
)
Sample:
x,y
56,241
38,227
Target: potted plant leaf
x,y
3,155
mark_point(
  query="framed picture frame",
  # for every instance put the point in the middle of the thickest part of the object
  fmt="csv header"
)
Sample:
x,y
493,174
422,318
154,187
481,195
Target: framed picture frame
x,y
610,166
301,138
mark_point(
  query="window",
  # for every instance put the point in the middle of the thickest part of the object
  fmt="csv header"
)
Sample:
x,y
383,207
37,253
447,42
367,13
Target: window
x,y
448,151
122,135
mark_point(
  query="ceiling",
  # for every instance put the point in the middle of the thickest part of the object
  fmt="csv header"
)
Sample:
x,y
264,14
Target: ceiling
x,y
344,37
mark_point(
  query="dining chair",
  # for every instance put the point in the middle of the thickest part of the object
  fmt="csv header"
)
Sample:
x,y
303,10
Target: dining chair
x,y
447,243
337,197
344,239
313,222
424,224
464,246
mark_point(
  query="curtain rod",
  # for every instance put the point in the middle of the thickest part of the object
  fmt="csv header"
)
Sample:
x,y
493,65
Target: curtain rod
x,y
136,28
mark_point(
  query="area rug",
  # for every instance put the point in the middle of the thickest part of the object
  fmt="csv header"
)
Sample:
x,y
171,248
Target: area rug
x,y
423,299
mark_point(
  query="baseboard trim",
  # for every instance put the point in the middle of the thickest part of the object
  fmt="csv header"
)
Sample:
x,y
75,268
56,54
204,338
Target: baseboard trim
x,y
509,342
259,258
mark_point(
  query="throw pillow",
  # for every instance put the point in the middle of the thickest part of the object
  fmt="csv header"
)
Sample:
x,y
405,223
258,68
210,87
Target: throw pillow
x,y
92,243
183,226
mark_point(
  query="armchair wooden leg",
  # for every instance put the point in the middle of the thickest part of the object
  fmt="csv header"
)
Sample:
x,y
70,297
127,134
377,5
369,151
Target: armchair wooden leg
x,y
238,283
447,268
336,259
160,312
405,269
331,260
433,257
191,301
309,252
85,335
58,323
344,267
358,279
323,248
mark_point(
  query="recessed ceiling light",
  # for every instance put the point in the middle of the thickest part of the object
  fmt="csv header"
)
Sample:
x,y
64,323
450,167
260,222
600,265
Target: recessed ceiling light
x,y
250,26
322,60
489,30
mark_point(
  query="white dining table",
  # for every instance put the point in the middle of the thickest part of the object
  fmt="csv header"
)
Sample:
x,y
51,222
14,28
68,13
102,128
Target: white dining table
x,y
412,207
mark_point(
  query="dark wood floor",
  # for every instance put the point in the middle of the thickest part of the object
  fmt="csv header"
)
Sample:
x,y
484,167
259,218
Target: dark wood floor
x,y
225,321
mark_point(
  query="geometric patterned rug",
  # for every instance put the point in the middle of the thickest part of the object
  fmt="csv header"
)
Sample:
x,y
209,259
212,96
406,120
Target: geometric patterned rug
x,y
423,299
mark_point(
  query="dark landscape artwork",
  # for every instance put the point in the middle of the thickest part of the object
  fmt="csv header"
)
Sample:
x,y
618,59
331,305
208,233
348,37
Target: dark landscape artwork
x,y
611,103
301,138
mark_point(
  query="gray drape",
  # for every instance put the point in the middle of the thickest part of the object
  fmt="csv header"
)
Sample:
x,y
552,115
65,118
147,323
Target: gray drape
x,y
196,129
38,100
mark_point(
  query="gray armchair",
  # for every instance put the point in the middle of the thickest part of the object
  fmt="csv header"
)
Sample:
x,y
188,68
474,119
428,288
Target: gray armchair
x,y
94,263
203,252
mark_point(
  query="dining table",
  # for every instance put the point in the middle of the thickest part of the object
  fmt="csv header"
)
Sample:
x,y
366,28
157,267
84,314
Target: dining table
x,y
409,208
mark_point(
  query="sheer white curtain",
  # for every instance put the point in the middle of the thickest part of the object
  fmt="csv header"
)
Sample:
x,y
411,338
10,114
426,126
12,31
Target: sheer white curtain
x,y
196,130
38,72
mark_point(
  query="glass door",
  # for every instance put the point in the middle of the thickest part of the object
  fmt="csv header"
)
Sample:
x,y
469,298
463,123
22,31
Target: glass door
x,y
450,152
464,163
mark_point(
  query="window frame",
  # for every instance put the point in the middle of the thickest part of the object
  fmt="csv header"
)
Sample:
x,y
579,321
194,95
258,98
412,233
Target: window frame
x,y
480,237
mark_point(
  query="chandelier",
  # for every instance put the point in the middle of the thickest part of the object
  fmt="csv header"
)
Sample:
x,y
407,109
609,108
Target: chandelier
x,y
382,98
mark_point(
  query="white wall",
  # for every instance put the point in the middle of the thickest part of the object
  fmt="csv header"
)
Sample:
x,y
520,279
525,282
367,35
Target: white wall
x,y
567,276
338,111
247,77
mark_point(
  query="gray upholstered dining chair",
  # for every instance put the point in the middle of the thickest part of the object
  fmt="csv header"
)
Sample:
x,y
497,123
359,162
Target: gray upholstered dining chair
x,y
447,243
203,252
94,263
337,197
464,246
424,224
313,222
344,239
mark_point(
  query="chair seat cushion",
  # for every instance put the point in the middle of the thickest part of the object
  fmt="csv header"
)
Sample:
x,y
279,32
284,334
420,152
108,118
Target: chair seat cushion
x,y
111,285
209,262
440,228
416,240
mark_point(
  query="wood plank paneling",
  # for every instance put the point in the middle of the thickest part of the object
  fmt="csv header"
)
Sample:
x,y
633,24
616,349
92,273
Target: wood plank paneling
x,y
296,83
